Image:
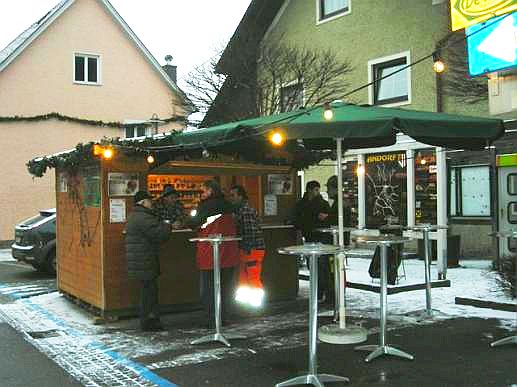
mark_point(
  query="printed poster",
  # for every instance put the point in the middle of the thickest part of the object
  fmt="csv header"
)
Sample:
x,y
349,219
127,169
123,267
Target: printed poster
x,y
280,184
117,210
122,184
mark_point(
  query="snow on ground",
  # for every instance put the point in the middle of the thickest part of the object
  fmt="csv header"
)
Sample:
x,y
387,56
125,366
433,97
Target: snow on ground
x,y
473,279
5,256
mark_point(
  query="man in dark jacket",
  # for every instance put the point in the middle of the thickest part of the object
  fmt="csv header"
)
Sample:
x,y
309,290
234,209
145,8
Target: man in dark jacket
x,y
144,234
311,213
214,216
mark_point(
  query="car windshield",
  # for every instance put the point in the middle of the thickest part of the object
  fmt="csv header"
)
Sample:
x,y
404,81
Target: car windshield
x,y
42,215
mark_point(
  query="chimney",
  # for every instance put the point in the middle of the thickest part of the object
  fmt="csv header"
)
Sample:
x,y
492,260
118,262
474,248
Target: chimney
x,y
170,69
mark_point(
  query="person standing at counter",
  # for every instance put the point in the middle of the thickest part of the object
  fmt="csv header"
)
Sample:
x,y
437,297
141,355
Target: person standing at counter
x,y
169,207
311,213
252,247
214,216
144,234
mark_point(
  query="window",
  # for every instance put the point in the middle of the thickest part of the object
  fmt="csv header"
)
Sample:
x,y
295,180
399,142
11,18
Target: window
x,y
87,69
331,8
469,191
512,184
394,87
137,131
291,97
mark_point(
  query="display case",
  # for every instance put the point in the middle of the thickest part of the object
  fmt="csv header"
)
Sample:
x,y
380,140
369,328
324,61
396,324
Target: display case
x,y
188,187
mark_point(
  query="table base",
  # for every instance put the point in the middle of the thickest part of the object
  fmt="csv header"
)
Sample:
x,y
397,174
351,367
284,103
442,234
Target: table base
x,y
218,337
326,313
314,379
506,340
424,314
333,334
383,350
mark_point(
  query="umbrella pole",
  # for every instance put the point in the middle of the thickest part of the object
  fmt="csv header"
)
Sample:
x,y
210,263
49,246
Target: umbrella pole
x,y
340,333
342,277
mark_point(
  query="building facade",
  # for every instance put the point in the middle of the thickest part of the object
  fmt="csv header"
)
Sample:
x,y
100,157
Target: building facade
x,y
380,40
77,75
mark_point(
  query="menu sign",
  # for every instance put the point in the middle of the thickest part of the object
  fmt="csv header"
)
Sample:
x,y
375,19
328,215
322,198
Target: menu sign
x,y
386,188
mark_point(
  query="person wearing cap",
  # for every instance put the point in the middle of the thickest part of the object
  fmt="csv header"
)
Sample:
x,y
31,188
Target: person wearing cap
x,y
169,207
145,231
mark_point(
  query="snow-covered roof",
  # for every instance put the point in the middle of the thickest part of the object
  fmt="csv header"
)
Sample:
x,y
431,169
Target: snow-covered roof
x,y
13,49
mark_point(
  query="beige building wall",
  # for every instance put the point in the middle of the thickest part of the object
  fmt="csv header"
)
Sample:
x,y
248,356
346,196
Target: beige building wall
x,y
21,195
40,81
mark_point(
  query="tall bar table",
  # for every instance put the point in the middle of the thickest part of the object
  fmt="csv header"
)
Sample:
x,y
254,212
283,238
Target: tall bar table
x,y
339,333
314,251
215,241
509,339
425,228
384,241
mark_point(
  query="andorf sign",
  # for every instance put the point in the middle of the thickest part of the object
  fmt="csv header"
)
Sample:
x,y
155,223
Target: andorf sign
x,y
466,13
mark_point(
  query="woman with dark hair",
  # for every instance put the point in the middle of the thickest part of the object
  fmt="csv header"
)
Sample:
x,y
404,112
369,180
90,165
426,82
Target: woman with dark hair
x,y
214,216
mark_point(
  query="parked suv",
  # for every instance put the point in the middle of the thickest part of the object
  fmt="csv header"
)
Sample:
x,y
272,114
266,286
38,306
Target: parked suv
x,y
35,241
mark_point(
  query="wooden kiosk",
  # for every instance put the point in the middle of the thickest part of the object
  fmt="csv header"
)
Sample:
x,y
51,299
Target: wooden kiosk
x,y
93,205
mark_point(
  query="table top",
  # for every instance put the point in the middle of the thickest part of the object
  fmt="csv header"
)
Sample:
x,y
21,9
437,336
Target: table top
x,y
427,227
385,239
309,249
215,238
335,229
504,234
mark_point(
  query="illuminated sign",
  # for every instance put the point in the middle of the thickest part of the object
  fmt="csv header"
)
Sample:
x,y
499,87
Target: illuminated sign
x,y
465,13
492,45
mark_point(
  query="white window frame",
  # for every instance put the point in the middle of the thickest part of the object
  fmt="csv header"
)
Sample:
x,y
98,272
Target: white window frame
x,y
86,56
458,201
371,89
319,19
289,84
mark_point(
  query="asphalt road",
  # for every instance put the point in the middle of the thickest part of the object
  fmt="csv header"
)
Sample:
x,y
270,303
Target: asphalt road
x,y
21,364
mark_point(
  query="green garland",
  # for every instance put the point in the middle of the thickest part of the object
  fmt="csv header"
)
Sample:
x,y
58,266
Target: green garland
x,y
61,117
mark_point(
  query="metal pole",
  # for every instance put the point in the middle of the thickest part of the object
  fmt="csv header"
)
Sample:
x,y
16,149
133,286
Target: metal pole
x,y
313,314
441,215
337,280
340,302
217,287
384,292
361,194
427,262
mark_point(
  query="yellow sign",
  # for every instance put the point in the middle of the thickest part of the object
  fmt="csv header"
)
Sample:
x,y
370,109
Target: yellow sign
x,y
465,13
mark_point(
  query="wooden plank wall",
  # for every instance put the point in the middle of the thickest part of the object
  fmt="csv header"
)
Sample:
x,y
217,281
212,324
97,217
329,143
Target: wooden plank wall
x,y
78,250
120,292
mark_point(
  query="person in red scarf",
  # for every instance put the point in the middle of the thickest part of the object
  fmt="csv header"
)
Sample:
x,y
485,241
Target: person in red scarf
x,y
214,216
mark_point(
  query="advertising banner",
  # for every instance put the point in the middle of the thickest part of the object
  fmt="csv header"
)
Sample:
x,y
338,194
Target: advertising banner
x,y
465,13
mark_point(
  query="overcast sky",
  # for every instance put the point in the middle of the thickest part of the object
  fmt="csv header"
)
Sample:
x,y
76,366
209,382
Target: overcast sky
x,y
189,30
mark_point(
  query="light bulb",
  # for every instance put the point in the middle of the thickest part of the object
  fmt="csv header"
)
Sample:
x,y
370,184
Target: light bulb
x,y
150,159
360,170
328,114
438,66
277,138
108,153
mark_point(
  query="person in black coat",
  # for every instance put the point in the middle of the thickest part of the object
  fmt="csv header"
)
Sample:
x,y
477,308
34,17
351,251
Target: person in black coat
x,y
311,213
144,234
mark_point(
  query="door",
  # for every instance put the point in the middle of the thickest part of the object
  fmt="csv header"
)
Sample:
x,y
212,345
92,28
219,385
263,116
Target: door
x,y
507,208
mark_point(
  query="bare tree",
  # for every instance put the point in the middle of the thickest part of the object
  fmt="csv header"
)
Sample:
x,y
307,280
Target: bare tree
x,y
457,81
291,77
279,77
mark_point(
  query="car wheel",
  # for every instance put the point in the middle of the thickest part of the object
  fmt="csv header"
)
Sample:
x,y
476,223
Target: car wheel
x,y
38,267
52,262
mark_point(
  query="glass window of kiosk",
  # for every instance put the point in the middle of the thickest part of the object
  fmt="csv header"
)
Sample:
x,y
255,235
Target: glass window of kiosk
x,y
425,186
469,191
386,191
